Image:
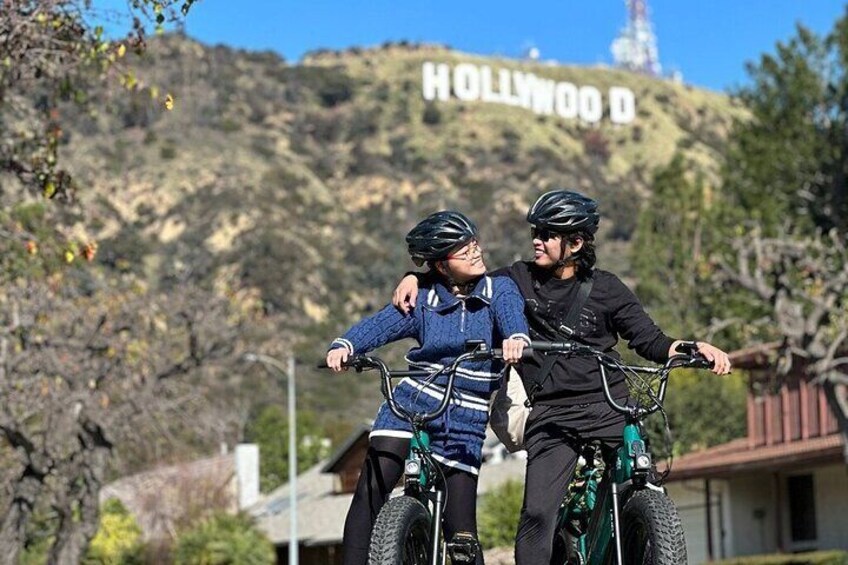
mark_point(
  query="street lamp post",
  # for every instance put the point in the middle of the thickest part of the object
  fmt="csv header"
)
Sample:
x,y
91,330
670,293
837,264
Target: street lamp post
x,y
280,370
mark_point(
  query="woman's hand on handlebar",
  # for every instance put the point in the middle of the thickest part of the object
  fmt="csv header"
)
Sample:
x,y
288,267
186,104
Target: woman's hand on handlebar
x,y
512,350
336,359
405,293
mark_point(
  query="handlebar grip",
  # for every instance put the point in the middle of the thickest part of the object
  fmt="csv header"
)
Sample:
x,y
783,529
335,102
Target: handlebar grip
x,y
699,362
552,346
526,353
695,361
354,361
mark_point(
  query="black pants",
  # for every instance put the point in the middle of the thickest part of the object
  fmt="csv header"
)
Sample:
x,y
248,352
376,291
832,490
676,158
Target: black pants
x,y
552,438
381,471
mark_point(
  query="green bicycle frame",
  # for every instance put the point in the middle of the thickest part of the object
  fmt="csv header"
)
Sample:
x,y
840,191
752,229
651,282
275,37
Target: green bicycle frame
x,y
420,442
419,488
593,544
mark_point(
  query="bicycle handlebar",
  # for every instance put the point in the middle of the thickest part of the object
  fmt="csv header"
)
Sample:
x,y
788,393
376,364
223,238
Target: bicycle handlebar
x,y
481,352
365,362
692,359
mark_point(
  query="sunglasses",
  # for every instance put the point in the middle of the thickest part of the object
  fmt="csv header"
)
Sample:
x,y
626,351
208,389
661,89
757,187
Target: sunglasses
x,y
542,234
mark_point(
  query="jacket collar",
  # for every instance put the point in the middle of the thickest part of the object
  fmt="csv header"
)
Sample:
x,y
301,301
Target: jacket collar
x,y
440,298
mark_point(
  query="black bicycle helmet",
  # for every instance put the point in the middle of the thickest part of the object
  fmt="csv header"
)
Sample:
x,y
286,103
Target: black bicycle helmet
x,y
438,234
564,211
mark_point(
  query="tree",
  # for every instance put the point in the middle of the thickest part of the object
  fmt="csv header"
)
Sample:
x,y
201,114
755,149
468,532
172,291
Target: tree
x,y
84,372
52,55
788,158
785,212
671,264
270,430
668,249
804,281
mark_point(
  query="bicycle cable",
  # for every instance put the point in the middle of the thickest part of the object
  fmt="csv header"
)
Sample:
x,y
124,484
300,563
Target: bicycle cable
x,y
631,375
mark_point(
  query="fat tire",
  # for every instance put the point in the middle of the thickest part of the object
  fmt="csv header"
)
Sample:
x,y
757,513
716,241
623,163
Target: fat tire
x,y
401,534
651,530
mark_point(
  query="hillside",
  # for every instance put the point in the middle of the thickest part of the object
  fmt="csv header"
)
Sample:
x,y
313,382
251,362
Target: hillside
x,y
291,186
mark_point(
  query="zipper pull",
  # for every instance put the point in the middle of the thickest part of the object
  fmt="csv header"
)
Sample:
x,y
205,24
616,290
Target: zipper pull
x,y
462,319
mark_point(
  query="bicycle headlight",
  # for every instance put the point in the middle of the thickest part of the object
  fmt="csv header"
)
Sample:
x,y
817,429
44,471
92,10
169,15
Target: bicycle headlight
x,y
643,461
412,467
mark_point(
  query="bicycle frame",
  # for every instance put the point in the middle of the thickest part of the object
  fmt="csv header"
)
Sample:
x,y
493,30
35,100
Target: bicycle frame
x,y
594,499
421,475
419,483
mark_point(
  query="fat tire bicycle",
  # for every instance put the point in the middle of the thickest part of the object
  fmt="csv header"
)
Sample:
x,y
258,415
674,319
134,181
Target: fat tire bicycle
x,y
615,509
408,529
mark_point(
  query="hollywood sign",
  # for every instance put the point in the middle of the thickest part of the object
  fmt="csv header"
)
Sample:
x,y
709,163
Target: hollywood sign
x,y
472,83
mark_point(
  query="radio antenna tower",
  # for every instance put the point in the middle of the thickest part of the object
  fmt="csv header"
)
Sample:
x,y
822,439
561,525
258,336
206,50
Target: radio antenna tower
x,y
635,48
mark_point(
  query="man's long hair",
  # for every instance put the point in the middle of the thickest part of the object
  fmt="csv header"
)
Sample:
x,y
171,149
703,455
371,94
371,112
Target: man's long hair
x,y
585,259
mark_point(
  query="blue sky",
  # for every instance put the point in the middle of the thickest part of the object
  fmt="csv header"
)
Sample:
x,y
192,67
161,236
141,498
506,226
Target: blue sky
x,y
709,41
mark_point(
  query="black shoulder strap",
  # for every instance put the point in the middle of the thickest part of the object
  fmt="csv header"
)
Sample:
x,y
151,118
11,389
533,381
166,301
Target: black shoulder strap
x,y
567,328
577,306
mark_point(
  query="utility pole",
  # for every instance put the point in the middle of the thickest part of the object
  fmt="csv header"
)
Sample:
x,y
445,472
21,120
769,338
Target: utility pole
x,y
275,367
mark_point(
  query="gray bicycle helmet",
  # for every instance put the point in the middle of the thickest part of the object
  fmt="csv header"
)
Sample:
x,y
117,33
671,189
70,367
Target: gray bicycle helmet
x,y
564,211
438,234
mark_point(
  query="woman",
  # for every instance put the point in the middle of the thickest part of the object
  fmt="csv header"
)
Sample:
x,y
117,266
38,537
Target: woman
x,y
459,303
568,402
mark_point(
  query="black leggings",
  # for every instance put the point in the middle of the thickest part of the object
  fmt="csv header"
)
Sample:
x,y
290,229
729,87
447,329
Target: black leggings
x,y
552,439
381,471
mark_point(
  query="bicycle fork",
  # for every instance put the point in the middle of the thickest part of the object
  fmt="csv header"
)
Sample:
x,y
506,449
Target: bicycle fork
x,y
436,530
616,523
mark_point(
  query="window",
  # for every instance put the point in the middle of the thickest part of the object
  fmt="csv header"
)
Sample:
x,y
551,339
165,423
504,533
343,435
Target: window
x,y
802,508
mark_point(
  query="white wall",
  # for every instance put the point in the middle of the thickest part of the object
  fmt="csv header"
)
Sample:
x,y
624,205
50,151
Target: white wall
x,y
690,499
831,488
753,515
749,493
247,474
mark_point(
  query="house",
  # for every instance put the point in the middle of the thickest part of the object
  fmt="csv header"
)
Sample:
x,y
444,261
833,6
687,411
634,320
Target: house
x,y
325,491
782,488
165,498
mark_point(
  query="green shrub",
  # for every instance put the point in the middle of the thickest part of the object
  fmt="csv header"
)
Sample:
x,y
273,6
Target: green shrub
x,y
224,540
168,151
499,513
834,557
118,538
432,115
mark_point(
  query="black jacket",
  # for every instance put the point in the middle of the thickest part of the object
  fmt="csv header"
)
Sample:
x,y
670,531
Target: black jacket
x,y
611,312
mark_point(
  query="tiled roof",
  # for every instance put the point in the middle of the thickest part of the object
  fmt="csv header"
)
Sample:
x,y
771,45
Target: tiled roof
x,y
754,357
321,513
160,497
736,456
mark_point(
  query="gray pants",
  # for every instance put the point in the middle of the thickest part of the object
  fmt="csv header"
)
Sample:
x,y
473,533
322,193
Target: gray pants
x,y
553,438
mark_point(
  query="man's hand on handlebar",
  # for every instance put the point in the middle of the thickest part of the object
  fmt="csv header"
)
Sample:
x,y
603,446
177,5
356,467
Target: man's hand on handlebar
x,y
336,358
719,359
512,350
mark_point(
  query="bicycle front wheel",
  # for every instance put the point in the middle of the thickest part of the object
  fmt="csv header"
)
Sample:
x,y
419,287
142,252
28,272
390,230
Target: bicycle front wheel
x,y
652,533
401,534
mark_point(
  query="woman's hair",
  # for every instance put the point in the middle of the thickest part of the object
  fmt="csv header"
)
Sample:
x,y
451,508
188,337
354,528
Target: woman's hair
x,y
585,259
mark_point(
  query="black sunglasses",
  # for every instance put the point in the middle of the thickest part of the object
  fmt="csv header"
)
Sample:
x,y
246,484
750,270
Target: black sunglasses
x,y
542,234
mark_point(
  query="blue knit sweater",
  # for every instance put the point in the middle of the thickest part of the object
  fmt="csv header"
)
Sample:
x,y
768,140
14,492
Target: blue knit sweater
x,y
441,323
